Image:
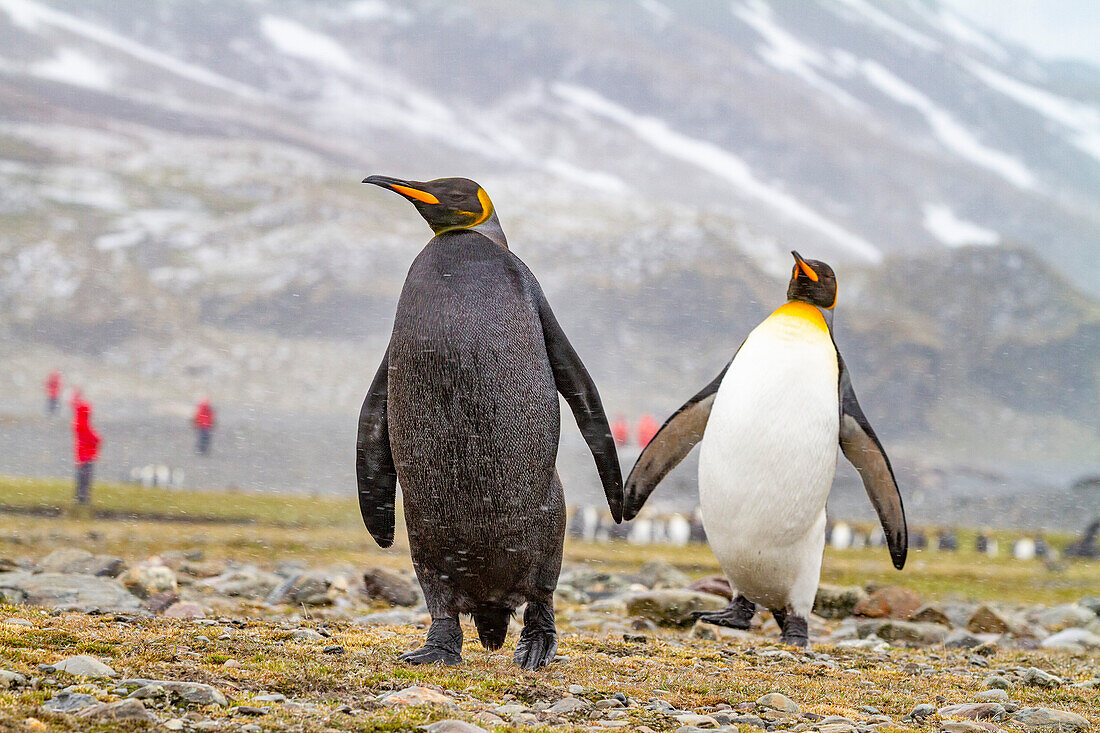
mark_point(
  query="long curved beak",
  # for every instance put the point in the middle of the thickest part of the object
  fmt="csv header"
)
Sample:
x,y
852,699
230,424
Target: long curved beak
x,y
806,269
409,189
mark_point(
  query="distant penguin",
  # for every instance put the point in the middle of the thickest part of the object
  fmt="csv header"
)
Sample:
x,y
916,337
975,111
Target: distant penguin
x,y
770,425
641,532
841,536
947,541
464,412
1023,549
679,530
918,540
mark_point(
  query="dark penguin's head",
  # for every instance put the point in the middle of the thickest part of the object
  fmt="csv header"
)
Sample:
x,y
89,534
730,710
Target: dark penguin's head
x,y
447,204
812,282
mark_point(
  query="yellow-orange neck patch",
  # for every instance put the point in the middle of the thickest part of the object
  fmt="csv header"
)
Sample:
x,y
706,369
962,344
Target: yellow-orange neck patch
x,y
804,312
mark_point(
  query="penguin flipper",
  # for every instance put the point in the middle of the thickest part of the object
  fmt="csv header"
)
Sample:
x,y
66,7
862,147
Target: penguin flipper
x,y
578,389
670,445
374,469
864,451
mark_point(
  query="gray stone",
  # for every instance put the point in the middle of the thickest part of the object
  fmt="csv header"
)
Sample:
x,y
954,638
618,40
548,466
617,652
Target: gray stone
x,y
922,711
272,697
246,581
453,726
932,614
149,578
657,574
184,610
9,679
414,696
307,588
69,591
121,710
195,693
961,639
305,635
390,586
973,711
912,632
390,618
987,619
68,702
778,701
83,665
1073,639
568,705
996,682
1068,616
965,726
993,695
73,560
1038,678
597,584
672,607
696,720
1048,719
752,720
1092,603
837,601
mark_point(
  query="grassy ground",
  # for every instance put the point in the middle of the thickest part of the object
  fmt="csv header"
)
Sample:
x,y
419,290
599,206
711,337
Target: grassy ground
x,y
689,673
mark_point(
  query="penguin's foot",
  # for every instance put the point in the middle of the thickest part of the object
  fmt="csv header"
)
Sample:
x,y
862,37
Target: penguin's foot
x,y
444,644
796,630
538,642
737,615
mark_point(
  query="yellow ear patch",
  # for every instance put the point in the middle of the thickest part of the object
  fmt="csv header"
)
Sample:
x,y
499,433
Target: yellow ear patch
x,y
486,207
413,193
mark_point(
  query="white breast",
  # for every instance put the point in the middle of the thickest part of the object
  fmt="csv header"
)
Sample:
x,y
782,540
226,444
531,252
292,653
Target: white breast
x,y
768,457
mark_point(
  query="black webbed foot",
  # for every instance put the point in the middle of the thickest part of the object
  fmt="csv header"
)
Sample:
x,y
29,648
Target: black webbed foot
x,y
737,615
444,644
538,642
796,630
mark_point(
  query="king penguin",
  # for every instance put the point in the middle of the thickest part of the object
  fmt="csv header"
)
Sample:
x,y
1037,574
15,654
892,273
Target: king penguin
x,y
770,426
463,412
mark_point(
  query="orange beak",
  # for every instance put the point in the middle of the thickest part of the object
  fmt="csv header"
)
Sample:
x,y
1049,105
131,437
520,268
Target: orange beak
x,y
806,269
403,188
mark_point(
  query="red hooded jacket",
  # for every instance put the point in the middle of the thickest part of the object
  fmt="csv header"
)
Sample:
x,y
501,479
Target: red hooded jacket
x,y
204,416
620,431
53,385
647,428
85,438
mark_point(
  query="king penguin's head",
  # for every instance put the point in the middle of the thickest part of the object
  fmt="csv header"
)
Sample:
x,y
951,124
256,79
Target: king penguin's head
x,y
812,282
446,204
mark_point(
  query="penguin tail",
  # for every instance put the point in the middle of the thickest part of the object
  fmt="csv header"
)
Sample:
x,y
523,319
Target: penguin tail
x,y
491,621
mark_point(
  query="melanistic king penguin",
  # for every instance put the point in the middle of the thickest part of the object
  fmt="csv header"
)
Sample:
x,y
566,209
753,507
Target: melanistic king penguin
x,y
464,413
770,425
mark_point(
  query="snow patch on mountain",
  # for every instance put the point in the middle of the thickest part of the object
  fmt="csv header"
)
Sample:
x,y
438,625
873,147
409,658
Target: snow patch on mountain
x,y
295,39
71,66
718,162
952,231
954,136
864,11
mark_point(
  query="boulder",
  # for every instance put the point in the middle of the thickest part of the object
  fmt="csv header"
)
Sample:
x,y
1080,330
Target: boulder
x,y
595,583
973,711
1048,719
82,562
1068,616
68,702
149,578
1038,678
1073,639
195,693
962,639
932,614
83,665
390,586
9,679
912,632
657,574
308,588
892,601
246,581
121,710
669,607
569,705
778,701
68,591
184,609
715,585
837,601
414,696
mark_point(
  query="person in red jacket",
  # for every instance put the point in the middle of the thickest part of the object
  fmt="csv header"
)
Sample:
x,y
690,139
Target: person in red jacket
x,y
620,431
647,428
204,425
53,392
85,447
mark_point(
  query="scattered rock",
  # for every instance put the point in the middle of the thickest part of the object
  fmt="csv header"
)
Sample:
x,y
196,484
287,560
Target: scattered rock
x,y
715,585
993,695
149,578
309,588
1068,616
82,562
995,682
966,726
411,696
962,639
988,619
68,702
1073,639
569,705
246,581
922,711
672,607
9,679
657,574
306,635
1038,678
697,721
161,602
389,618
912,632
83,665
68,591
390,586
837,601
893,601
121,710
1048,719
453,726
932,614
973,711
777,701
184,609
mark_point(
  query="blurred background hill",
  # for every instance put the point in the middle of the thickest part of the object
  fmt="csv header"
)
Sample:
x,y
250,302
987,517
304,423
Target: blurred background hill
x,y
180,214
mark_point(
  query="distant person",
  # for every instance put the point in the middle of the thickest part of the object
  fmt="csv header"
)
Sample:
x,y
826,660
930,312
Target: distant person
x,y
647,428
53,392
620,431
86,447
204,426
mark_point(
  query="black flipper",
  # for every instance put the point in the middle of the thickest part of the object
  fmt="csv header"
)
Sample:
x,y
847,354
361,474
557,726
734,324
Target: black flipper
x,y
864,451
374,469
576,386
670,445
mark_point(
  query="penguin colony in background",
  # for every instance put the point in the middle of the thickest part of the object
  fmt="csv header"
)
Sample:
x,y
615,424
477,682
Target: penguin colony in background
x,y
770,425
463,412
